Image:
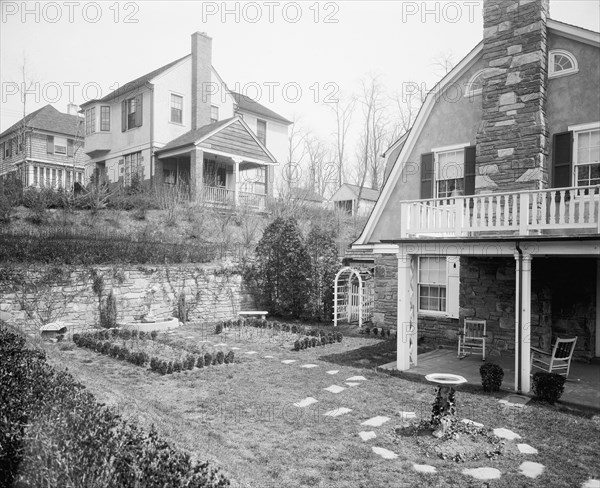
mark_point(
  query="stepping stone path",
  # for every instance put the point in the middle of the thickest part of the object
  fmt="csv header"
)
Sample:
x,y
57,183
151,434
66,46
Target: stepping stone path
x,y
235,348
308,366
506,434
470,422
366,436
306,402
251,352
337,412
483,473
357,378
335,389
352,384
269,357
407,415
591,484
527,449
333,371
288,361
376,421
531,469
424,468
385,453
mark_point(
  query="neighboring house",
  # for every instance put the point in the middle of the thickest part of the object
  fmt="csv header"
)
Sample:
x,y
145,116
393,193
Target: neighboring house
x,y
491,209
181,124
353,200
44,149
303,196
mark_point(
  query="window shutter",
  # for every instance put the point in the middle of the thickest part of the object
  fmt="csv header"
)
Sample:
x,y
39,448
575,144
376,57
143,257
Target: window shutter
x,y
427,175
123,115
470,154
562,159
70,147
1,151
453,291
138,110
50,144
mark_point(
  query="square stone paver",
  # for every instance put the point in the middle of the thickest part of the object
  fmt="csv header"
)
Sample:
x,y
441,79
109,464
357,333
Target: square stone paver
x,y
385,453
376,421
357,378
531,469
407,415
251,352
483,473
352,384
591,483
506,434
333,371
288,361
366,436
424,468
337,412
309,366
306,402
471,422
527,449
269,357
235,348
335,389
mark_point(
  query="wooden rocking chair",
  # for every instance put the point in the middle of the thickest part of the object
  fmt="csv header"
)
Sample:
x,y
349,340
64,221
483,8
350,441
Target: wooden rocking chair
x,y
473,337
558,361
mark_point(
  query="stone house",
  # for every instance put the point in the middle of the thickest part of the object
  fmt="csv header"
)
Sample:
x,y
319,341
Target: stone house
x,y
44,149
181,124
491,208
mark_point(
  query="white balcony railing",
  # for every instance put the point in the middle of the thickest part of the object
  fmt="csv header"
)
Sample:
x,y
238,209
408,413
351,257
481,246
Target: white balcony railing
x,y
225,196
518,213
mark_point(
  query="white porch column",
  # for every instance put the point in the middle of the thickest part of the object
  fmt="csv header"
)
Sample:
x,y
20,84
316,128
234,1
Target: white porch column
x,y
236,180
523,327
404,327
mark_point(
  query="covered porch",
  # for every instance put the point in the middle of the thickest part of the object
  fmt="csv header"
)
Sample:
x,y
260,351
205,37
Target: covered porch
x,y
520,316
222,164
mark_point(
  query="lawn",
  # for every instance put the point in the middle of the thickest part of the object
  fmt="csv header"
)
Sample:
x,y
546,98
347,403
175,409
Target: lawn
x,y
242,419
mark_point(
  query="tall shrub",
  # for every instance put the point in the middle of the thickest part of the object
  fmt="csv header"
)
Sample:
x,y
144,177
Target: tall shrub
x,y
323,265
281,273
108,314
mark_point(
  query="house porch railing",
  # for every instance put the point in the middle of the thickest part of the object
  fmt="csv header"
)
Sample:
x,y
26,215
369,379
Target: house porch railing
x,y
224,196
520,213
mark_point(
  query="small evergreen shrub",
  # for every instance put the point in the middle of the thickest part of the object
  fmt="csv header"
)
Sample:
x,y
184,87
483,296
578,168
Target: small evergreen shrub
x,y
220,357
375,331
177,366
367,331
306,343
164,368
229,357
154,363
208,359
313,342
190,361
153,334
491,376
114,351
143,335
170,367
323,340
219,328
339,336
330,338
76,338
389,333
548,387
200,361
297,346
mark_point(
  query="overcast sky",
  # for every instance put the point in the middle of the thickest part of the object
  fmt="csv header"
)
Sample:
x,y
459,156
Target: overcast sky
x,y
311,49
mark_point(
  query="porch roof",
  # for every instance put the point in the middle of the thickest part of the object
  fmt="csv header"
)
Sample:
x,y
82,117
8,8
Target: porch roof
x,y
230,137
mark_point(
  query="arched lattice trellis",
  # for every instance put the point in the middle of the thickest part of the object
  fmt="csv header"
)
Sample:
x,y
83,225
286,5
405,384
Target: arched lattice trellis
x,y
354,294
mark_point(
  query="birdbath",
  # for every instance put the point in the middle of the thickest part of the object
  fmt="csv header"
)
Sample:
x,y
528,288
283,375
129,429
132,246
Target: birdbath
x,y
444,406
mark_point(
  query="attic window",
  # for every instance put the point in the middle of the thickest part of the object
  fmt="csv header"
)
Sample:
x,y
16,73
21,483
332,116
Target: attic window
x,y
475,84
561,63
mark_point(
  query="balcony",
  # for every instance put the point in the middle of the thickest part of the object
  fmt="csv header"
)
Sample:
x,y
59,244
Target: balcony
x,y
97,143
554,211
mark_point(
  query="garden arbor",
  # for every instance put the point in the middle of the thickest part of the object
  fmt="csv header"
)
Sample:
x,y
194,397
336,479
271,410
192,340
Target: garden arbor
x,y
353,296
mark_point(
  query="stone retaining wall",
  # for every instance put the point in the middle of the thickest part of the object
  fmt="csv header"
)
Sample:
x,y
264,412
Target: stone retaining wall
x,y
213,292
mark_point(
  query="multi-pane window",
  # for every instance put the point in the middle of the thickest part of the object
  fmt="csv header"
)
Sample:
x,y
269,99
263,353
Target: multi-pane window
x,y
131,107
133,166
35,176
450,173
432,284
90,120
131,113
68,179
587,158
214,114
261,131
561,63
105,118
176,109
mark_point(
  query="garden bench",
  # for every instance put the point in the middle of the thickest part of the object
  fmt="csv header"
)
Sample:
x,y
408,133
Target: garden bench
x,y
251,313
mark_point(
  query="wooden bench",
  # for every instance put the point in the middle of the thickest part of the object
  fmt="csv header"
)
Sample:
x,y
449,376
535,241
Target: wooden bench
x,y
251,313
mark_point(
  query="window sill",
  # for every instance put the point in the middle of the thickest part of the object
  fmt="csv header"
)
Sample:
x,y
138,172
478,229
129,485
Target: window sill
x,y
181,124
560,74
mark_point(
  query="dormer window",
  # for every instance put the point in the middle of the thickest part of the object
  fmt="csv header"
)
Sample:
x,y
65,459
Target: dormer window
x,y
561,63
475,84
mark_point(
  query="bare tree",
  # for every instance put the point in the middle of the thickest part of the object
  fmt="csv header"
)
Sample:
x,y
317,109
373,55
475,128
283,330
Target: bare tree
x,y
343,112
443,63
296,151
321,171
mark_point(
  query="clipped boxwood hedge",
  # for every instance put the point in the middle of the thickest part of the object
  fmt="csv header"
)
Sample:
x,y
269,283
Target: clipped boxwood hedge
x,y
54,433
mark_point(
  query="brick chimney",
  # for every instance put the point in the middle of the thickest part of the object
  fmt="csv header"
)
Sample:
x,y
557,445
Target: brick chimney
x,y
201,78
72,108
512,139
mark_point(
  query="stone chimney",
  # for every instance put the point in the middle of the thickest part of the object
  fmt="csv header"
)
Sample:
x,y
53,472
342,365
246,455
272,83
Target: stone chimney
x,y
201,79
512,139
72,108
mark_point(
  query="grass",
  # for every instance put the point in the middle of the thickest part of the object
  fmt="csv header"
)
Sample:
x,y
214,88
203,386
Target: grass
x,y
241,417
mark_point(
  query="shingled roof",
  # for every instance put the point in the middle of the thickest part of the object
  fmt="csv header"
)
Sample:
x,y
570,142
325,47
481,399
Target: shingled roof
x,y
246,103
49,119
193,136
365,194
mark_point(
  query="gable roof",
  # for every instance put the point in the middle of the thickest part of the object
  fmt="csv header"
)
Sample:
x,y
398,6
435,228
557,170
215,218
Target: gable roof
x,y
194,136
366,194
137,83
247,104
49,119
300,193
567,30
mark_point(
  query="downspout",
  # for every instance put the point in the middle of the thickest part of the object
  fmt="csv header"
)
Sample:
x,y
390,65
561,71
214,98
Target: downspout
x,y
152,165
519,330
